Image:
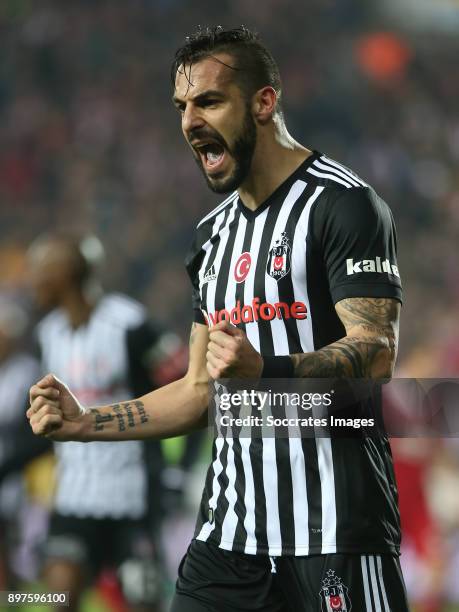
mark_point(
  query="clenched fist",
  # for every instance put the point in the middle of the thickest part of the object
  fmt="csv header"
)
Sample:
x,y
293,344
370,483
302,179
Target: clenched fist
x,y
54,411
230,354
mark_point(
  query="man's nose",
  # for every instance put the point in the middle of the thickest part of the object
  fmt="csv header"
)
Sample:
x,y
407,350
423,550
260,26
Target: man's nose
x,y
191,120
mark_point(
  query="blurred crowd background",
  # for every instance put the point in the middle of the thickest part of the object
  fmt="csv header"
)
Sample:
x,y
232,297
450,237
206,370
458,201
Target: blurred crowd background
x,y
89,141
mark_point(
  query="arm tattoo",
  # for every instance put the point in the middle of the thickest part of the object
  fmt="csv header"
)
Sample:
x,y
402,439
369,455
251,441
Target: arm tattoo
x,y
141,412
123,413
367,351
120,416
100,419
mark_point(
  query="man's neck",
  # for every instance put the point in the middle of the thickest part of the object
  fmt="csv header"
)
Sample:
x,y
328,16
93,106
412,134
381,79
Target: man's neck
x,y
276,157
77,307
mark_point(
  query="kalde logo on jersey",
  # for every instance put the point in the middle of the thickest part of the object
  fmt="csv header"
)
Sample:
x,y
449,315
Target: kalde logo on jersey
x,y
334,594
279,258
242,267
256,311
371,265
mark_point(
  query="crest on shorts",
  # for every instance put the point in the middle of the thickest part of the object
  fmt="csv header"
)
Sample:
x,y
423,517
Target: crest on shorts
x,y
279,258
334,594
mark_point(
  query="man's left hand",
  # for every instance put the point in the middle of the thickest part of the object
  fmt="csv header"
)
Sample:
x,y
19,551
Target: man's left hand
x,y
230,354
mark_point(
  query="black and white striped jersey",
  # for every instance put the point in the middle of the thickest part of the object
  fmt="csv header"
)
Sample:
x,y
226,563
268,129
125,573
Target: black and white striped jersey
x,y
118,353
322,236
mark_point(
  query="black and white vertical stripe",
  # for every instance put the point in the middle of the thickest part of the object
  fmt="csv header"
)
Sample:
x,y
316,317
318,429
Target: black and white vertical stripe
x,y
252,507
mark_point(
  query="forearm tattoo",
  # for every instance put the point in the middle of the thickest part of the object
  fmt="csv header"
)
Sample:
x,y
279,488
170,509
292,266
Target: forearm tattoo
x,y
367,351
127,414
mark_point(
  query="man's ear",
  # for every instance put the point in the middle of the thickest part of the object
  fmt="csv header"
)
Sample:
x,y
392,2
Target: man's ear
x,y
264,104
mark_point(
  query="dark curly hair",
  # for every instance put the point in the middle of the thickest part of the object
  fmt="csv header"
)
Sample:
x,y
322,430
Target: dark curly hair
x,y
254,65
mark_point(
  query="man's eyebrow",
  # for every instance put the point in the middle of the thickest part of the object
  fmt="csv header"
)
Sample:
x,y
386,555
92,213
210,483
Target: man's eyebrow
x,y
208,93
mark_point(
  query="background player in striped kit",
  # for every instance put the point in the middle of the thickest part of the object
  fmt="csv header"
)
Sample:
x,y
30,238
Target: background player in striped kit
x,y
302,259
107,499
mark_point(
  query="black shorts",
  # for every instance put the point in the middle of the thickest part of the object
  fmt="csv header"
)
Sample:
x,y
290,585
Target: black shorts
x,y
215,580
125,545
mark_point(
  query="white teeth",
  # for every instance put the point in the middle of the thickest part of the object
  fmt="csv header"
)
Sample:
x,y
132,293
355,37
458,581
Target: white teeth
x,y
212,157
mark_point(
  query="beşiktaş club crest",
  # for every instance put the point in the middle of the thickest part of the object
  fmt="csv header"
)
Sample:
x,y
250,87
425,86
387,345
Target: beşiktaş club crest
x,y
334,594
279,258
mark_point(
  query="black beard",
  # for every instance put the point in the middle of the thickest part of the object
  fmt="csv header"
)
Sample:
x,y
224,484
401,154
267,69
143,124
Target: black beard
x,y
242,153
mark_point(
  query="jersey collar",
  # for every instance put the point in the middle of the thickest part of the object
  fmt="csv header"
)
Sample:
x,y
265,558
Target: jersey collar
x,y
278,195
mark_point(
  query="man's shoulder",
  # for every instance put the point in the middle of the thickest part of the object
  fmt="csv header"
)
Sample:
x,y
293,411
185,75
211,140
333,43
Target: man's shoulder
x,y
209,219
120,309
333,175
207,227
343,191
113,309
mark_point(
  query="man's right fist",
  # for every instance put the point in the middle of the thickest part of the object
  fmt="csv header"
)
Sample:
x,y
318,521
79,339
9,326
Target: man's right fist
x,y
54,411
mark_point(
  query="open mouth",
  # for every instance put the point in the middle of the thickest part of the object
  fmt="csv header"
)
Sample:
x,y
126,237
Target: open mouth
x,y
212,155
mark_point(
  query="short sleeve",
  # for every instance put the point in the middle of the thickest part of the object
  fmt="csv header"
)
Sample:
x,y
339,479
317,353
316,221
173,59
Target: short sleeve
x,y
355,232
192,263
198,317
